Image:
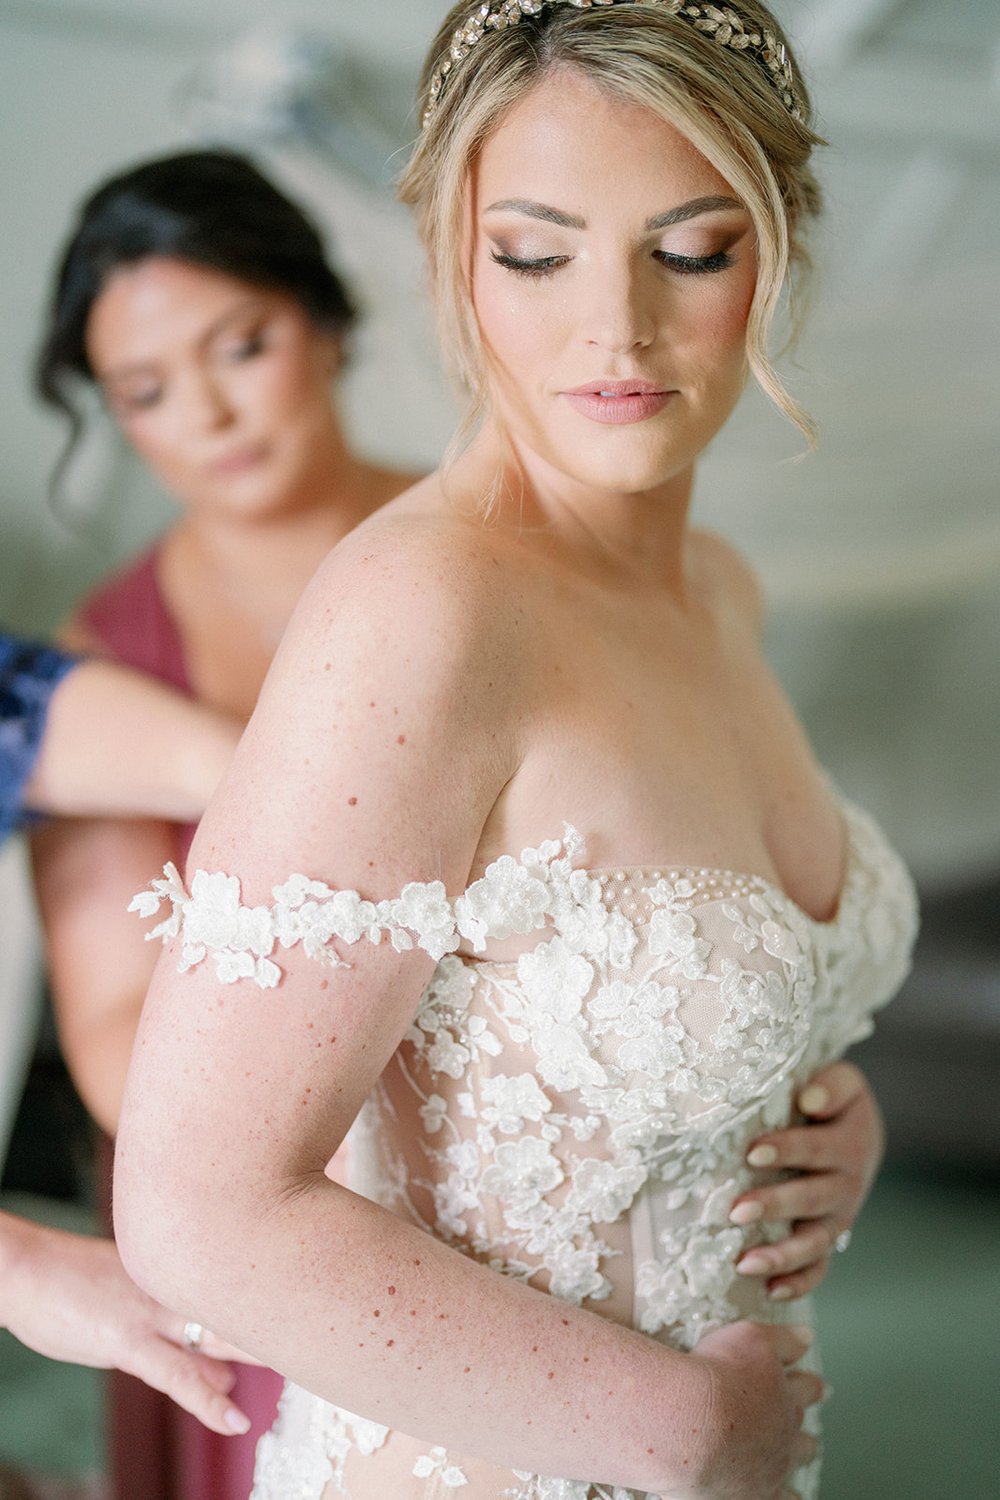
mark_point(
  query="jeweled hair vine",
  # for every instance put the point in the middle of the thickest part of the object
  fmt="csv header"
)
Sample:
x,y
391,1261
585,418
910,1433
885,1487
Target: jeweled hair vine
x,y
725,26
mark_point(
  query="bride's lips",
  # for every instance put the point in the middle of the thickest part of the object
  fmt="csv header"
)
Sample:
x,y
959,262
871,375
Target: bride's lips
x,y
618,402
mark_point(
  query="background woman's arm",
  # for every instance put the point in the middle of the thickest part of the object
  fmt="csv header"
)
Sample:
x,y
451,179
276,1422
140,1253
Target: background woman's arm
x,y
115,740
118,743
86,872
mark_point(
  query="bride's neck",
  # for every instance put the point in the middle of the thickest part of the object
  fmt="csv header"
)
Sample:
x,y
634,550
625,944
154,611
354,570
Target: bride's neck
x,y
639,535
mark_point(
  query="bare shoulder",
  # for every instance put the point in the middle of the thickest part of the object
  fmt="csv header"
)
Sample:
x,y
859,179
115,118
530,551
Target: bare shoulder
x,y
409,578
407,634
389,721
730,581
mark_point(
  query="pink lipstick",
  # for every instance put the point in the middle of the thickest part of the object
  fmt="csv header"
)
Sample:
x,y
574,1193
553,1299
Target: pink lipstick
x,y
618,402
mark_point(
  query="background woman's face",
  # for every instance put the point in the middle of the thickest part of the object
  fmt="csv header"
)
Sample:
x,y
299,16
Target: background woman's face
x,y
222,387
607,249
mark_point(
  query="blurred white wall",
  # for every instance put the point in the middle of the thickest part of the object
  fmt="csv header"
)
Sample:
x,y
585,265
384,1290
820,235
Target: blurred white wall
x,y
881,554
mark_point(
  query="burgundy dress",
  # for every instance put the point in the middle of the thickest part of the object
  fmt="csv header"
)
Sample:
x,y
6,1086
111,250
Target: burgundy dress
x,y
158,1451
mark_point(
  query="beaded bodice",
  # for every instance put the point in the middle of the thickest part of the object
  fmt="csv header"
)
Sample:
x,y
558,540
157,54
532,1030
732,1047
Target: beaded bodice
x,y
578,1116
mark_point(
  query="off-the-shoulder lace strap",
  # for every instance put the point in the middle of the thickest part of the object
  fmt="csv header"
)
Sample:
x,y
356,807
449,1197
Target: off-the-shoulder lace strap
x,y
512,896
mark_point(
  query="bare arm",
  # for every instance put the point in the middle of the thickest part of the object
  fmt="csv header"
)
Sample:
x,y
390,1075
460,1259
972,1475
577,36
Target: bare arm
x,y
134,733
68,1297
119,743
381,741
86,872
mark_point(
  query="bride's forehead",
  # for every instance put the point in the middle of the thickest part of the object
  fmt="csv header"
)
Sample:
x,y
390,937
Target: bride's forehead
x,y
567,129
567,99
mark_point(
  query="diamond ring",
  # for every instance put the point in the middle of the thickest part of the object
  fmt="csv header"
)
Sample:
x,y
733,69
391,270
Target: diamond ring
x,y
193,1335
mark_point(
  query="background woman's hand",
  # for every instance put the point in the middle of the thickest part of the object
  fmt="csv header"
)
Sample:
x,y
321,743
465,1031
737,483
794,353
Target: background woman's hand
x,y
835,1155
752,1438
69,1298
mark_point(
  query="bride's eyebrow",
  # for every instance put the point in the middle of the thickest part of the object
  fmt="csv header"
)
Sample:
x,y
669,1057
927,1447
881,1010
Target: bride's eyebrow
x,y
678,215
693,210
541,211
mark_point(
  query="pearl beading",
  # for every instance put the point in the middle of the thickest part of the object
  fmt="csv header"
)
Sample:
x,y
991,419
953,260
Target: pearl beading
x,y
693,885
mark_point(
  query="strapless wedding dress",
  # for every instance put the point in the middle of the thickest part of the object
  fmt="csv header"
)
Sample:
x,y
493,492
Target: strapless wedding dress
x,y
577,1117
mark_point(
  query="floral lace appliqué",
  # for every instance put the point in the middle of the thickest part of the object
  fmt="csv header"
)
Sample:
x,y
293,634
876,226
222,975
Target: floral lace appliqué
x,y
577,1117
511,897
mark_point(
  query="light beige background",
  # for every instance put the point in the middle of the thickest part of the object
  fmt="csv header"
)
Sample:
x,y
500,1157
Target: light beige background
x,y
881,554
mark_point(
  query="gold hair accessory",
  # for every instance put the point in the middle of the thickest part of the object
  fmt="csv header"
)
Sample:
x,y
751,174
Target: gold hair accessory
x,y
720,22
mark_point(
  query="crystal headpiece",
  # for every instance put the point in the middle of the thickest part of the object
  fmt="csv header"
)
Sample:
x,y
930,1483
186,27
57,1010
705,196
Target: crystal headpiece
x,y
720,22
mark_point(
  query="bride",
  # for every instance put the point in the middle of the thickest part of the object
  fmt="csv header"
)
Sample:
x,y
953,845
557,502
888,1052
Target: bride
x,y
579,913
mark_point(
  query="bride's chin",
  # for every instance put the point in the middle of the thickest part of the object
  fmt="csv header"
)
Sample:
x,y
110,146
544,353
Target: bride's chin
x,y
624,478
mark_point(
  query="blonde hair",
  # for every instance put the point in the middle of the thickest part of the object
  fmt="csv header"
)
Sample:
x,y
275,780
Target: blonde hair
x,y
724,101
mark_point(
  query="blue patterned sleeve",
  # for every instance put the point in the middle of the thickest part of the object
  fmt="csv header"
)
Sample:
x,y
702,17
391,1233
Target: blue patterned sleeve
x,y
29,675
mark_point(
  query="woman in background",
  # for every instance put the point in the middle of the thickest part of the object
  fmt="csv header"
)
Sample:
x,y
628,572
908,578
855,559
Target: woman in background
x,y
65,1295
200,301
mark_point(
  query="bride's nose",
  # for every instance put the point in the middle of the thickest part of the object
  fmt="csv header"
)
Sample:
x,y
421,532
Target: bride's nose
x,y
618,314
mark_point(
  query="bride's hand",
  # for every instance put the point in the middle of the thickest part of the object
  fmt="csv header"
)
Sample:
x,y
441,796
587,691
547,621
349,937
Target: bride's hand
x,y
835,1156
752,1436
68,1297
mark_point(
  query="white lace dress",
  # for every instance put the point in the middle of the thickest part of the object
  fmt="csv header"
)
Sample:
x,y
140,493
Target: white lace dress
x,y
578,1117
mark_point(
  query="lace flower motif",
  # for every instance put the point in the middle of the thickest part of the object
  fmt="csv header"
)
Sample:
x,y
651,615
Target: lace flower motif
x,y
509,1102
512,896
436,1462
507,899
673,935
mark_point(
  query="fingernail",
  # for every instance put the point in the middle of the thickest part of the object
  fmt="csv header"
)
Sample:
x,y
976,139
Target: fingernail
x,y
826,1393
236,1420
746,1213
781,1294
804,1332
813,1099
753,1264
762,1156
